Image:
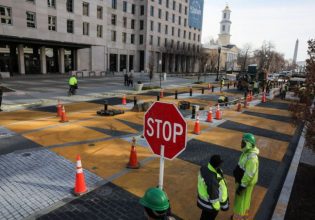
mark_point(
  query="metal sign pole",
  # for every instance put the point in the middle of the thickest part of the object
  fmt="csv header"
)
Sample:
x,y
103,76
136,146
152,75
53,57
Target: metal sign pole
x,y
161,168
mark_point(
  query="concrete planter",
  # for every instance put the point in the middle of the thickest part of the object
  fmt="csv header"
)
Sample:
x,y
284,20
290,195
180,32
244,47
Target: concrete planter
x,y
138,87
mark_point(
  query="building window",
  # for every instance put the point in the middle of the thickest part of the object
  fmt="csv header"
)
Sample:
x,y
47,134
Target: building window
x,y
99,12
174,5
99,29
165,42
166,16
70,5
124,37
32,1
172,43
194,37
167,3
223,28
125,22
152,11
125,7
70,26
113,19
160,2
133,9
160,13
142,10
224,15
178,44
151,25
173,30
173,18
113,36
189,36
185,10
166,29
180,8
30,19
179,20
114,5
151,40
198,37
141,25
185,22
178,33
184,34
140,39
51,3
5,15
86,27
159,27
132,39
85,8
158,41
52,23
132,24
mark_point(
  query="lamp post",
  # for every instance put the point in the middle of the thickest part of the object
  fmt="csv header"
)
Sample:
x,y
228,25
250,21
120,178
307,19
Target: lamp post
x,y
219,51
160,63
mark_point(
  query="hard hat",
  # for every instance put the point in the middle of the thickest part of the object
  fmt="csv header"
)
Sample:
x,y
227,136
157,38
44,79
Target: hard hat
x,y
248,137
155,199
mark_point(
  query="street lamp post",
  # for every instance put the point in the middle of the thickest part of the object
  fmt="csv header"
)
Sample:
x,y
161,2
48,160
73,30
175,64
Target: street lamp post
x,y
160,63
219,51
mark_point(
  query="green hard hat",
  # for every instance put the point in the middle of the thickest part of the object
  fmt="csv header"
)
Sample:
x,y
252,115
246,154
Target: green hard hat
x,y
155,199
248,137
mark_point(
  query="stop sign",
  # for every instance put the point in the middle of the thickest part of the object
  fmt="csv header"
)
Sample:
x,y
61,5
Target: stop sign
x,y
165,125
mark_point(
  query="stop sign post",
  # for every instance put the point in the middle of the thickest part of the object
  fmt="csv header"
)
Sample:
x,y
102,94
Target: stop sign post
x,y
165,130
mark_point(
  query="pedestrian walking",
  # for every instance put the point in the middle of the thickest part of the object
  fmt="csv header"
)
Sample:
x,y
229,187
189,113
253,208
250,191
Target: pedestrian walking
x,y
156,205
283,91
1,94
126,79
73,85
212,189
131,79
246,177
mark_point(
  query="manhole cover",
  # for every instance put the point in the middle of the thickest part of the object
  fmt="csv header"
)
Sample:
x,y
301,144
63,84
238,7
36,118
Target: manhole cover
x,y
26,154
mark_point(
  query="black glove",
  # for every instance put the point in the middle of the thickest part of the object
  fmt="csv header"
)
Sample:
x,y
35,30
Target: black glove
x,y
240,189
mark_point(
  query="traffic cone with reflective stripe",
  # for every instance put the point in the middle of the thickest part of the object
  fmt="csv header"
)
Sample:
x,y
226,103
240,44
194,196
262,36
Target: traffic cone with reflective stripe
x,y
63,117
59,109
133,161
197,125
80,186
239,107
218,115
124,102
162,93
209,118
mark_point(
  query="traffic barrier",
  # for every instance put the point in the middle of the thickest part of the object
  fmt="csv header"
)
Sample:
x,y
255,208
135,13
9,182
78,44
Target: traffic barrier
x,y
157,98
80,186
176,93
124,101
59,109
197,125
212,88
209,117
209,86
250,95
135,101
162,93
263,98
190,91
133,160
63,117
218,115
202,90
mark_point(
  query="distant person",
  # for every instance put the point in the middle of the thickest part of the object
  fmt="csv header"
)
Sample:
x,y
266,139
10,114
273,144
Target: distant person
x,y
126,78
221,84
246,177
156,205
256,88
223,100
212,189
1,94
131,79
73,85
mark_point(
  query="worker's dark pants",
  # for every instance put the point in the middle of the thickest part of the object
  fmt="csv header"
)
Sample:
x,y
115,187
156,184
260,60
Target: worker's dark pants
x,y
0,101
72,89
208,215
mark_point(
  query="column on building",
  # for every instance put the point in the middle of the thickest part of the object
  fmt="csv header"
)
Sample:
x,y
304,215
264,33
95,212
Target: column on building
x,y
61,57
188,65
173,62
127,62
179,64
167,63
184,64
43,68
118,62
21,61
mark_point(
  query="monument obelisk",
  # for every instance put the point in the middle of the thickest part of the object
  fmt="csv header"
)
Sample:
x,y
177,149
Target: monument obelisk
x,y
295,51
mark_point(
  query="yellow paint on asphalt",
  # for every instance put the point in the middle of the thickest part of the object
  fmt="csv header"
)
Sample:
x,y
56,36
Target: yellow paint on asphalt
x,y
271,111
63,134
269,148
105,158
82,106
7,118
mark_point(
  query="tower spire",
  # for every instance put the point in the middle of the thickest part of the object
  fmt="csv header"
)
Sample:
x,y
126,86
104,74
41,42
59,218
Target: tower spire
x,y
225,26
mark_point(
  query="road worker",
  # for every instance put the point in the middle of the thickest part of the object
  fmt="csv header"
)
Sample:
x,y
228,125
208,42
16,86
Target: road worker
x,y
246,176
73,85
223,99
212,189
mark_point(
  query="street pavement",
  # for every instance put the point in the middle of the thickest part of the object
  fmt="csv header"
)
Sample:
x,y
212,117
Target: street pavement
x,y
104,145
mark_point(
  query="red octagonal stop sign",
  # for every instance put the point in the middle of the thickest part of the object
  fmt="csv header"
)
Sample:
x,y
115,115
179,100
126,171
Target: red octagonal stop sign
x,y
165,125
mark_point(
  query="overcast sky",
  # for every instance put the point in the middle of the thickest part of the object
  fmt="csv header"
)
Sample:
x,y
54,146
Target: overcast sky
x,y
253,21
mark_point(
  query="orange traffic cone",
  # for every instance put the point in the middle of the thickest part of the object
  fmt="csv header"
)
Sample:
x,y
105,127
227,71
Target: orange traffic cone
x,y
133,161
239,106
80,186
162,93
63,117
263,98
209,118
197,125
250,96
218,115
59,109
124,102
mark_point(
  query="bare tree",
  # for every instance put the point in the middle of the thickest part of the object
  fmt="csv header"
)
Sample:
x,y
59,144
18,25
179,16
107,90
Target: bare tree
x,y
302,109
277,62
244,55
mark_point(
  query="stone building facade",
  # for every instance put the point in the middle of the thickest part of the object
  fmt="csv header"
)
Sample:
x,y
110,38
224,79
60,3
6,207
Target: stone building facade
x,y
50,36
